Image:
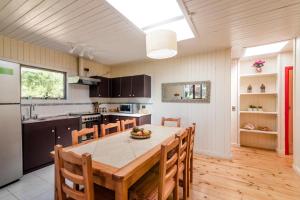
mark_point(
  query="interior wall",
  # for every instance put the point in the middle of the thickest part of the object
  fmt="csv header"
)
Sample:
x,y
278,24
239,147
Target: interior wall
x,y
213,119
234,103
297,106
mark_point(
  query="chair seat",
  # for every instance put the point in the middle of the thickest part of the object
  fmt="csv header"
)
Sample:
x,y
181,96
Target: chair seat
x,y
146,188
101,193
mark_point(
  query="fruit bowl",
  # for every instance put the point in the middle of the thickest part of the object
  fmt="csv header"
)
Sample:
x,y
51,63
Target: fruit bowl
x,y
140,133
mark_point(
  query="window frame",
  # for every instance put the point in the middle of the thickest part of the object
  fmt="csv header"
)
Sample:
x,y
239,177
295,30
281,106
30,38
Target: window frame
x,y
49,70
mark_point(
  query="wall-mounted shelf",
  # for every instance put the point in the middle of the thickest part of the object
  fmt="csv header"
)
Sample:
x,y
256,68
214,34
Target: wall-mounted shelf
x,y
259,112
259,132
258,75
266,93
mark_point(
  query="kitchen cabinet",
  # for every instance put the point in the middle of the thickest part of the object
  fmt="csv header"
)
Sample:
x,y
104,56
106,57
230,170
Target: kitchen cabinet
x,y
64,130
115,87
126,86
40,138
136,86
141,86
102,89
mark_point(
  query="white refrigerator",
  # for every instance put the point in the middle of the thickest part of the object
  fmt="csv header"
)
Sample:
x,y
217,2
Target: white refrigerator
x,y
11,167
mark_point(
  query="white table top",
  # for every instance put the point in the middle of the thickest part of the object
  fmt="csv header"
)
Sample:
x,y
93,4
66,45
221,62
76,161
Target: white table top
x,y
120,149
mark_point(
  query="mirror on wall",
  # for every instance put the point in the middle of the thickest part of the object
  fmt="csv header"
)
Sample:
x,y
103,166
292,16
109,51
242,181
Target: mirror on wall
x,y
186,92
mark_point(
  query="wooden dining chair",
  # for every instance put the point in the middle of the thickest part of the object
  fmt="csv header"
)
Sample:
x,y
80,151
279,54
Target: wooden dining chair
x,y
153,186
183,160
191,152
106,128
170,120
127,124
76,135
78,170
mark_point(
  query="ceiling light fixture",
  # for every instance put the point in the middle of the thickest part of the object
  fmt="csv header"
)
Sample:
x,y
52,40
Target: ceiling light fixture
x,y
81,54
161,44
149,15
71,51
265,49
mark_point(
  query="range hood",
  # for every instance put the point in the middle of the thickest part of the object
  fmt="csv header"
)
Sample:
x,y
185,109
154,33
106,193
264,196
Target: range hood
x,y
82,80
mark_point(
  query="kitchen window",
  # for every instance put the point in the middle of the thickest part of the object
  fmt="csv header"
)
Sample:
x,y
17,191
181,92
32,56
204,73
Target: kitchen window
x,y
40,83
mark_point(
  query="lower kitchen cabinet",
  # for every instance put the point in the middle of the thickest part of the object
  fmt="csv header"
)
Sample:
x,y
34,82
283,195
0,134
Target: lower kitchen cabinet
x,y
40,138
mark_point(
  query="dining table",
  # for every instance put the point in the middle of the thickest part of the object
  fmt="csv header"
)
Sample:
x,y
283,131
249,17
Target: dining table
x,y
118,160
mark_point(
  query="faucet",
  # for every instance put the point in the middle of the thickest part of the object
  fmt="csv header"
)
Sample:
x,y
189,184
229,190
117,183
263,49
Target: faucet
x,y
31,109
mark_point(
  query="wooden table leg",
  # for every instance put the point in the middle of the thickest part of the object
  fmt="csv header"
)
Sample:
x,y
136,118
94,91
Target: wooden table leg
x,y
121,191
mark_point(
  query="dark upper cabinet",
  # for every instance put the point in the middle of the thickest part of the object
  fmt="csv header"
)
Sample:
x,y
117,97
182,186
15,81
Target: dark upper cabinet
x,y
126,86
115,87
40,138
141,86
102,89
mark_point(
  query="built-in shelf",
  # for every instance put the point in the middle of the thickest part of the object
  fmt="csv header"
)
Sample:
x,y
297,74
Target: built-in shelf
x,y
259,75
259,112
266,93
259,132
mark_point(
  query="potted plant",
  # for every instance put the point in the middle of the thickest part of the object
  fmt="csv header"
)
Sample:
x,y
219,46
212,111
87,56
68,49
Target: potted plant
x,y
258,64
254,108
260,108
250,108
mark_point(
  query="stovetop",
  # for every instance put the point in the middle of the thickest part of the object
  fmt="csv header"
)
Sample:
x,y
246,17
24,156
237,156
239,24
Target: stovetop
x,y
84,113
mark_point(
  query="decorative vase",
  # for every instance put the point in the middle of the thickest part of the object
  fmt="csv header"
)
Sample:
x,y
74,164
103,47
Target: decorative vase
x,y
262,88
249,89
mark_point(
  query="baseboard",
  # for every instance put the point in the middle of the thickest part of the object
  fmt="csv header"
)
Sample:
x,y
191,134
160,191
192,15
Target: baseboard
x,y
214,154
297,169
280,152
235,145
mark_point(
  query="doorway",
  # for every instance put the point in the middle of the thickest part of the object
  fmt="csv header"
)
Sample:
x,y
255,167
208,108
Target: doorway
x,y
288,110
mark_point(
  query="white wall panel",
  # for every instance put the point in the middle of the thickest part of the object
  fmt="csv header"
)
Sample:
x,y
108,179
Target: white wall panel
x,y
213,119
297,107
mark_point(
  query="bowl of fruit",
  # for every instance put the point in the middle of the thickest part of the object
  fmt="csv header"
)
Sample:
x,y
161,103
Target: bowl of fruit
x,y
140,133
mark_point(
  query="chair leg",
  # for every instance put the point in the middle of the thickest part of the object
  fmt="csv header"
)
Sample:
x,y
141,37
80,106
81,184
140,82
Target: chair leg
x,y
191,169
185,184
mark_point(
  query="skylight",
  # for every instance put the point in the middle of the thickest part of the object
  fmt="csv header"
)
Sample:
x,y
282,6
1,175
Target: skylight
x,y
265,49
149,15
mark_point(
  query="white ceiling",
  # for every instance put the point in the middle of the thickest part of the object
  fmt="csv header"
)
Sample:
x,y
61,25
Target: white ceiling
x,y
219,24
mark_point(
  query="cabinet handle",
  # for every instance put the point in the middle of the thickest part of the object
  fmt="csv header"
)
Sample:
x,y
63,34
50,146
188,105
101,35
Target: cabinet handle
x,y
69,128
52,131
130,95
119,95
99,95
133,95
58,137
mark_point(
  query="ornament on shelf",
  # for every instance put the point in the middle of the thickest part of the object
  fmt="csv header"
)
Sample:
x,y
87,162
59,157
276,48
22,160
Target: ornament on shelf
x,y
249,126
260,108
258,64
262,88
249,89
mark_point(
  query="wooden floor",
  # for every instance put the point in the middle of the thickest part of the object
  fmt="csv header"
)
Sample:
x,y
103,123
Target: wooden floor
x,y
251,175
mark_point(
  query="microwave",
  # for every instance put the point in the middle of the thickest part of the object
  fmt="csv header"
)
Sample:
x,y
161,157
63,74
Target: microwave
x,y
128,108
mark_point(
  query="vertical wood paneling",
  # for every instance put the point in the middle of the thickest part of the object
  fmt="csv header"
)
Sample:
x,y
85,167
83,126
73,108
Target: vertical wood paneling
x,y
30,54
213,119
20,50
6,47
1,46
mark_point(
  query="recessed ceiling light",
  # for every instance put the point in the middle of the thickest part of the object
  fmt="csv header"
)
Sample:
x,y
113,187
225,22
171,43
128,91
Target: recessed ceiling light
x,y
149,15
265,49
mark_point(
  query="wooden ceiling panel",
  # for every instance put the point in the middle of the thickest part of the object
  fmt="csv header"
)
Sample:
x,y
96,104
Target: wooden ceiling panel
x,y
219,24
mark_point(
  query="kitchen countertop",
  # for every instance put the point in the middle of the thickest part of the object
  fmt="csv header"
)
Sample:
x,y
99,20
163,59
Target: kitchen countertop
x,y
124,114
45,119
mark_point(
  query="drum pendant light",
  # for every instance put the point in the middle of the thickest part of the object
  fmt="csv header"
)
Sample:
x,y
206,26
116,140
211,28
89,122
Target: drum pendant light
x,y
161,44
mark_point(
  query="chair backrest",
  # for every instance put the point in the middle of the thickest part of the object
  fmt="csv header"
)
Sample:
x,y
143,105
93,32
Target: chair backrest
x,y
125,124
77,169
192,137
174,120
106,127
183,137
84,132
168,169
